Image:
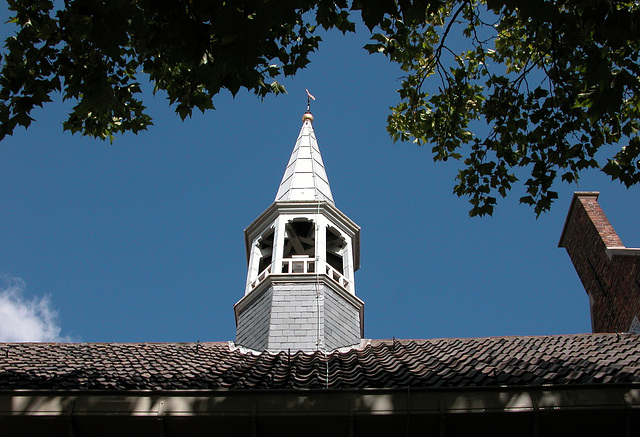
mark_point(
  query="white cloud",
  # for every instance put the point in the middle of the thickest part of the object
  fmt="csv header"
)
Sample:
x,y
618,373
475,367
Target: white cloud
x,y
23,318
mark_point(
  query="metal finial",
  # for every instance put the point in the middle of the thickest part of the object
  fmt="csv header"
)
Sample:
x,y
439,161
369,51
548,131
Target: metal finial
x,y
309,98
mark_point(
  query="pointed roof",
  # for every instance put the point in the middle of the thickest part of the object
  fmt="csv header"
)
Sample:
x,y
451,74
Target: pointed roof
x,y
305,178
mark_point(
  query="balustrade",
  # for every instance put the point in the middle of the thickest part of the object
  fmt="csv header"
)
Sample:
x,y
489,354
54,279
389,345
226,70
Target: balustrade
x,y
337,276
299,265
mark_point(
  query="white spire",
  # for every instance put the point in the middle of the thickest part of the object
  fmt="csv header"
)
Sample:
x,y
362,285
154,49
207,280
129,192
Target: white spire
x,y
301,250
305,178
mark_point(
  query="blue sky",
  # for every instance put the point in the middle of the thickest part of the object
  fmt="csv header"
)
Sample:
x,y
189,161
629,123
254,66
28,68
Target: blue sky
x,y
142,239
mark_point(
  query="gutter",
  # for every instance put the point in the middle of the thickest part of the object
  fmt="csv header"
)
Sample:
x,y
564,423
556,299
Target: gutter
x,y
318,402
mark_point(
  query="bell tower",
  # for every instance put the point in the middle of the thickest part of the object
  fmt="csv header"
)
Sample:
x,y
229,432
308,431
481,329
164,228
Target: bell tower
x,y
302,253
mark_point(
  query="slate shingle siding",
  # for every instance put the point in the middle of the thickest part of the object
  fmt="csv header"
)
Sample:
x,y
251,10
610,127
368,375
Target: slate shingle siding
x,y
342,321
252,329
473,362
292,316
294,319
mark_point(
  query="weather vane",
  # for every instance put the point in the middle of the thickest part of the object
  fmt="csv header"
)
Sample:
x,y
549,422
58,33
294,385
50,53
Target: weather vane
x,y
309,98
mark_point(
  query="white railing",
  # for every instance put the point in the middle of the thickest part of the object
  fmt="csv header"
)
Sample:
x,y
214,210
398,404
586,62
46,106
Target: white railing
x,y
293,266
261,277
337,276
298,265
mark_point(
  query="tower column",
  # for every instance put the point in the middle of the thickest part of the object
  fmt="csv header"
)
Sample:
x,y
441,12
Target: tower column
x,y
321,244
254,262
278,245
348,266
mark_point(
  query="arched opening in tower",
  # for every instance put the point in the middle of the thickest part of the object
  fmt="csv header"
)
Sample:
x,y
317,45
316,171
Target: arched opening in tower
x,y
265,245
335,249
299,246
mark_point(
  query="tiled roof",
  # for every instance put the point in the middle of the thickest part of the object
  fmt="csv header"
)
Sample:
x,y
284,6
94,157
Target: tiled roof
x,y
471,362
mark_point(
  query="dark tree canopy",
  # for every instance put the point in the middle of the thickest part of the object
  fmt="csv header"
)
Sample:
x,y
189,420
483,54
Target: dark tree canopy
x,y
540,90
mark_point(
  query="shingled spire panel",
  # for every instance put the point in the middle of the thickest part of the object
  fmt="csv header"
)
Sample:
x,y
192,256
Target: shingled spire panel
x,y
305,177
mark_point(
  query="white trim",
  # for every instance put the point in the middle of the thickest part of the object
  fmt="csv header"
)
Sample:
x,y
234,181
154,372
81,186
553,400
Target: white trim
x,y
622,251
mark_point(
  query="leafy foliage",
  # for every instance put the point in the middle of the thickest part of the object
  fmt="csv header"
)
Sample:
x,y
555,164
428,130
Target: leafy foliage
x,y
540,88
93,51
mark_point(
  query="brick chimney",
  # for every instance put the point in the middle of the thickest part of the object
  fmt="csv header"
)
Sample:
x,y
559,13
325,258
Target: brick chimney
x,y
609,271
